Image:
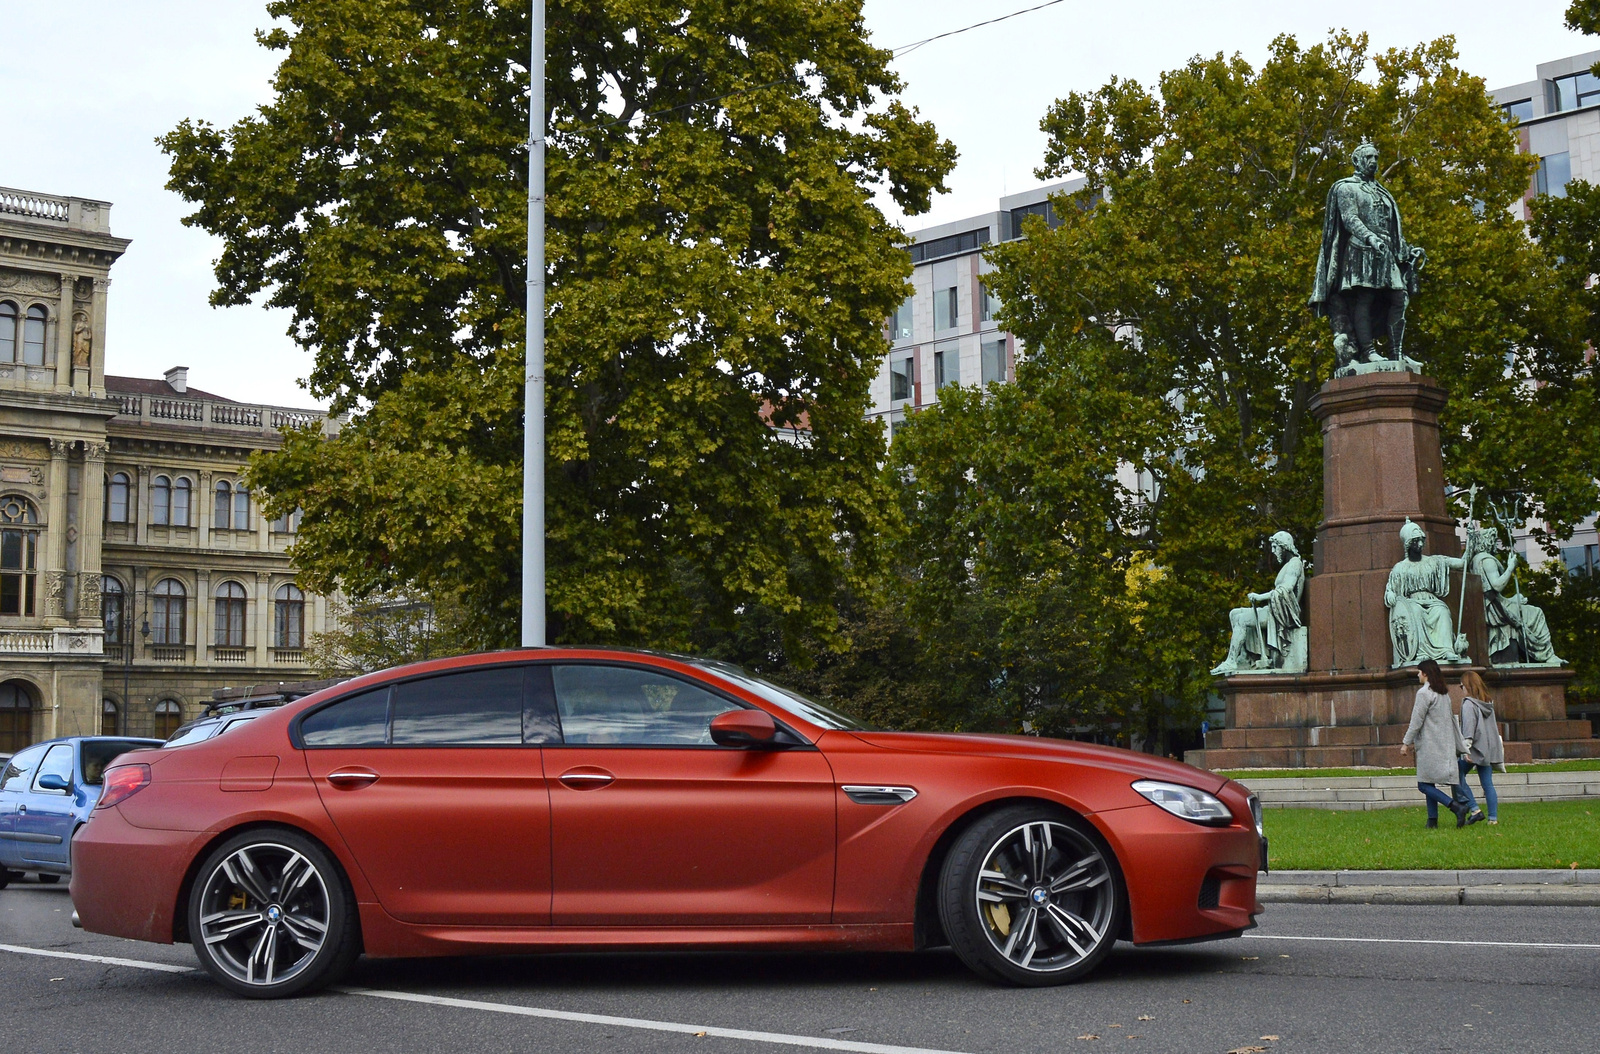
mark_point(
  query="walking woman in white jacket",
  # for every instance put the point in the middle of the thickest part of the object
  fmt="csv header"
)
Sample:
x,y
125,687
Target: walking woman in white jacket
x,y
1436,738
1482,733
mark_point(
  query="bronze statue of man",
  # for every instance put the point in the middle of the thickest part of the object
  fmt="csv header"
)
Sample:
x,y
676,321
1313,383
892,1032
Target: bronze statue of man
x,y
1366,271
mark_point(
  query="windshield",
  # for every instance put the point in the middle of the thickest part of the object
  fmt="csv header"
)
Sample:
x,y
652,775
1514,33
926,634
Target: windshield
x,y
98,754
793,702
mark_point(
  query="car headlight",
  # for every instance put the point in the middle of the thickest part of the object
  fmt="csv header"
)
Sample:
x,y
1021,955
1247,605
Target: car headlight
x,y
1191,804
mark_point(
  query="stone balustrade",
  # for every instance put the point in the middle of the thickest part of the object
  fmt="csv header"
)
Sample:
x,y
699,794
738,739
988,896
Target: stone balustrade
x,y
212,413
83,642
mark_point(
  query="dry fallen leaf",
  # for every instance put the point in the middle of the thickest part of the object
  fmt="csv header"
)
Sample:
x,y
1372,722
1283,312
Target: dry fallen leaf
x,y
1248,1050
1186,1000
1249,958
1272,1039
1148,1017
700,1035
1116,1026
1283,956
1088,1035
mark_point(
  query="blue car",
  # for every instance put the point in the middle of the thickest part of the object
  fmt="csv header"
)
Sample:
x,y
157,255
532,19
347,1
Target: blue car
x,y
46,792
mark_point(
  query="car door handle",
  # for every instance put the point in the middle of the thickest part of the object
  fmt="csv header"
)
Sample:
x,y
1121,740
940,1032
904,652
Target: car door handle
x,y
22,808
352,779
586,779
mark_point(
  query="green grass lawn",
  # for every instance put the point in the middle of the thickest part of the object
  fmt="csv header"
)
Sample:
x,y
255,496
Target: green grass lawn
x,y
1577,765
1530,834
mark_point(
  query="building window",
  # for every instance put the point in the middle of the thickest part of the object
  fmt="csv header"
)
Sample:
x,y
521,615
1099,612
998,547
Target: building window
x,y
1555,172
951,245
900,322
900,378
169,715
180,502
241,508
19,555
1581,559
288,523
289,611
230,616
117,498
988,303
8,331
33,336
1521,110
946,367
169,604
109,723
16,716
994,361
1569,93
946,313
161,501
111,608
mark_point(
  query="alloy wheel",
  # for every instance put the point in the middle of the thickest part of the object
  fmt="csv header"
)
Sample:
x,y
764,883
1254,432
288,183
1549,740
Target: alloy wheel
x,y
1045,896
264,913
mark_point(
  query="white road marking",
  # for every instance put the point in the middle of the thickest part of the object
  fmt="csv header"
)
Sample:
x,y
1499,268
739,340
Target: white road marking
x,y
780,1038
109,960
1418,940
813,1042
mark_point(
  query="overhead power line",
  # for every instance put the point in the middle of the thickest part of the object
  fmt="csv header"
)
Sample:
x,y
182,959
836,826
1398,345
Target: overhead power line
x,y
906,49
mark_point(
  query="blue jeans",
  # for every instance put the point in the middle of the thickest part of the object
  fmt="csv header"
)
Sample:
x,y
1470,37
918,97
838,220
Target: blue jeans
x,y
1489,796
1437,797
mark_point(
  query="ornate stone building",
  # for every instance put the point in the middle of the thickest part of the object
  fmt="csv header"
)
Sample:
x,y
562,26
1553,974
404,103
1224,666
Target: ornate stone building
x,y
137,574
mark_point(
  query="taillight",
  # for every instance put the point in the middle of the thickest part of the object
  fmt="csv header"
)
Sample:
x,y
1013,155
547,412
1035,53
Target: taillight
x,y
122,783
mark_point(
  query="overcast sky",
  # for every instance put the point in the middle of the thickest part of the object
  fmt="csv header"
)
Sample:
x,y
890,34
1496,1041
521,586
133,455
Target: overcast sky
x,y
98,80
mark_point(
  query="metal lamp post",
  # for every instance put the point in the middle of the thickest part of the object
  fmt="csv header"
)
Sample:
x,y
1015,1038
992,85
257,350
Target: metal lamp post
x,y
533,611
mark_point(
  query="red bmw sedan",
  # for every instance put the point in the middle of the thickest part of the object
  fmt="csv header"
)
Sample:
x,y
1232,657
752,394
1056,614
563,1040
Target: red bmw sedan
x,y
565,799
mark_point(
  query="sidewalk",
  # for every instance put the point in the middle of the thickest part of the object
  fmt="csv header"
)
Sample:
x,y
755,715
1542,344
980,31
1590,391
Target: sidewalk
x,y
1532,887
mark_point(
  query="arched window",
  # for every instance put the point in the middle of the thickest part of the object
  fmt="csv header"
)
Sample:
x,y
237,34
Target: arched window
x,y
161,501
230,616
289,617
169,603
221,519
117,498
19,555
109,714
180,502
111,608
241,508
33,336
16,716
8,331
169,715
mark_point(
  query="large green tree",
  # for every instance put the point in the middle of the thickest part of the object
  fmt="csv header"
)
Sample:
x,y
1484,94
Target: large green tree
x,y
717,270
1195,241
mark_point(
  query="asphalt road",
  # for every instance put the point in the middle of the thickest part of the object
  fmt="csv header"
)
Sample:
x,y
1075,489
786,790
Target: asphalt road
x,y
1372,984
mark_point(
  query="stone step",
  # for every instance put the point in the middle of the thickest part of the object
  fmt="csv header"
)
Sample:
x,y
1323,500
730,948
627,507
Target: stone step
x,y
1537,730
1385,756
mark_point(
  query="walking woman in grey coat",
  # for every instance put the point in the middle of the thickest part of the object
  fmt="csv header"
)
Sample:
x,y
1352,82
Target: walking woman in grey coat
x,y
1436,738
1482,734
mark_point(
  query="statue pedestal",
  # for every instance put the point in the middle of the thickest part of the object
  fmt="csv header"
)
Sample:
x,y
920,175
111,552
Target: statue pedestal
x,y
1381,466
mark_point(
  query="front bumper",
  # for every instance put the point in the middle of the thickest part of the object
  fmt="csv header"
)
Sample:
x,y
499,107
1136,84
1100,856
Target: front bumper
x,y
1185,881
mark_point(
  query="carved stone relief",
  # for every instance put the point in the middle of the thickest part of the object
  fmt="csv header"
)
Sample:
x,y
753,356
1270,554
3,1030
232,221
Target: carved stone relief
x,y
81,339
53,588
22,282
88,596
94,451
24,449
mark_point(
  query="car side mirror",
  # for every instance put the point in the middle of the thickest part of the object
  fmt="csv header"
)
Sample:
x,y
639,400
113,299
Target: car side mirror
x,y
744,728
52,782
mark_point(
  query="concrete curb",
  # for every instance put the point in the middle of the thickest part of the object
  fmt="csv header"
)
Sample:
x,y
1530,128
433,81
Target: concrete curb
x,y
1507,888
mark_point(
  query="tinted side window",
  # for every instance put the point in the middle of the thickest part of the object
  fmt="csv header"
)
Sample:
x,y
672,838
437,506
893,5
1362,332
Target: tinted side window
x,y
359,721
19,768
472,707
56,763
630,706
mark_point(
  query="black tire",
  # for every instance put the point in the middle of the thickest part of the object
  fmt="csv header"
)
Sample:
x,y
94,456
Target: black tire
x,y
7,877
48,878
264,936
1031,895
